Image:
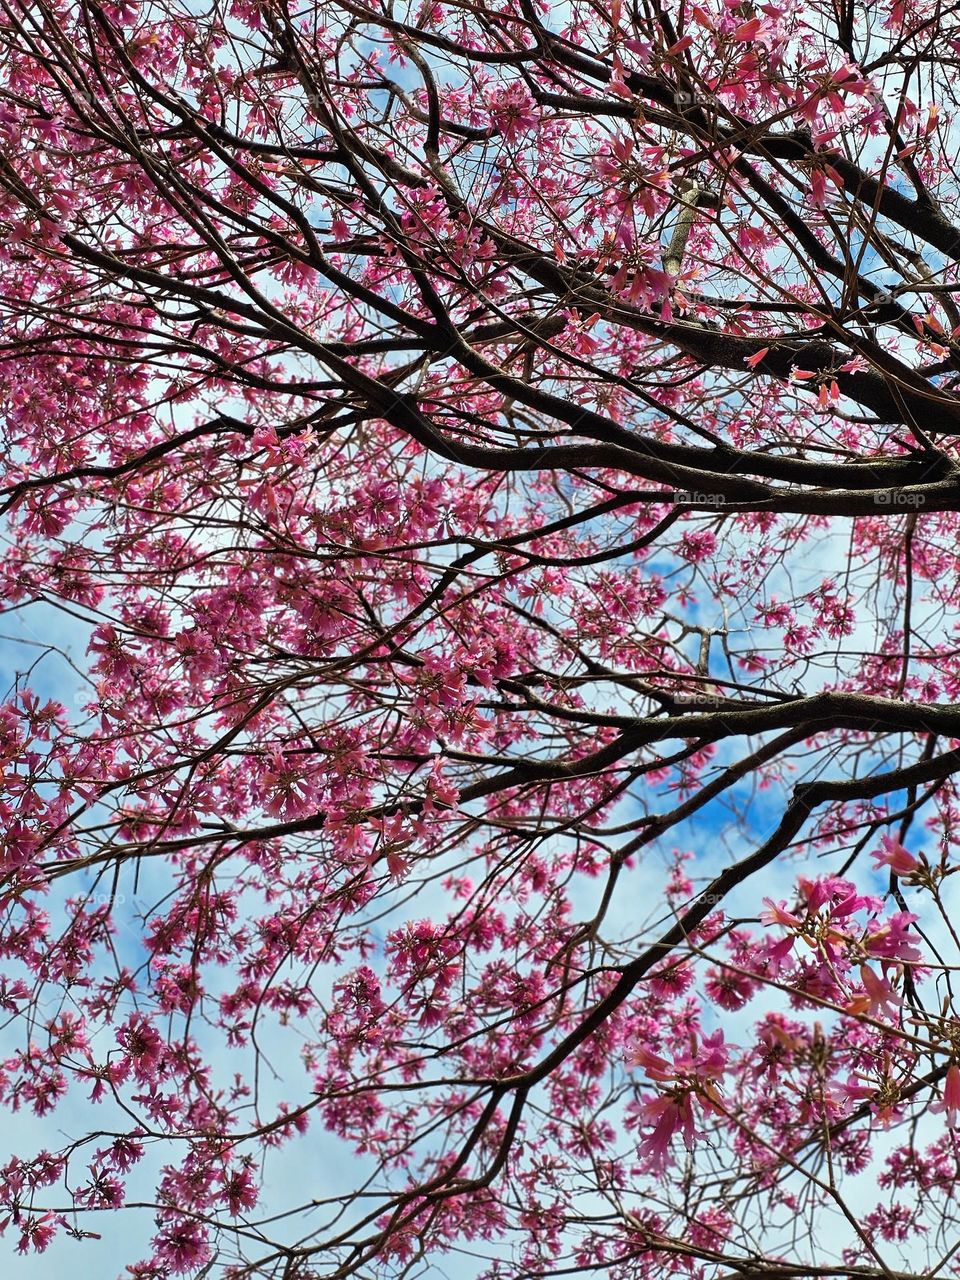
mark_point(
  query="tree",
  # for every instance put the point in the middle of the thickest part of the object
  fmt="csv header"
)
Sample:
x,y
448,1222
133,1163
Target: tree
x,y
503,461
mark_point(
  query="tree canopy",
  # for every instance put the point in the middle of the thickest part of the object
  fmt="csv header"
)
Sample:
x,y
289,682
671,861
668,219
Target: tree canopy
x,y
481,503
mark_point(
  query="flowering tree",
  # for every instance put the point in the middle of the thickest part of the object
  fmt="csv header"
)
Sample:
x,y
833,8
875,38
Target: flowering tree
x,y
502,459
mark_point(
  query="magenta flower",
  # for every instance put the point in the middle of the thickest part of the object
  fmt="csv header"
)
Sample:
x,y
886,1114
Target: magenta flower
x,y
892,939
657,1068
514,112
777,913
670,1114
895,856
879,997
950,1103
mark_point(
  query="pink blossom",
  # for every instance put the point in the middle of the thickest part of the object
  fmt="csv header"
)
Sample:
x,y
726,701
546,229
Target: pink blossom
x,y
893,938
895,856
728,988
777,913
37,1231
669,1114
514,112
950,1102
183,1246
879,998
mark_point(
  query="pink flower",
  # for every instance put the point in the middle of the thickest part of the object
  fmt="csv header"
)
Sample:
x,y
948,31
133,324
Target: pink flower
x,y
144,1046
777,913
728,988
397,865
19,846
657,1068
668,1115
698,546
241,1192
777,955
858,1090
182,1246
815,892
892,940
36,1233
848,905
514,112
878,998
748,31
951,1096
895,856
